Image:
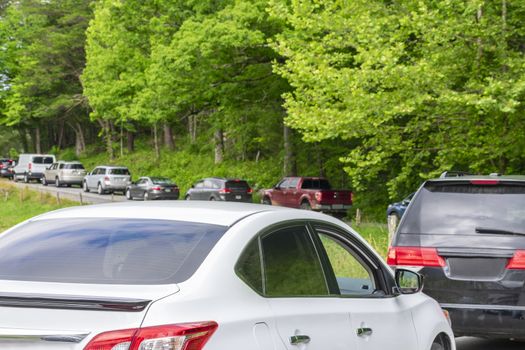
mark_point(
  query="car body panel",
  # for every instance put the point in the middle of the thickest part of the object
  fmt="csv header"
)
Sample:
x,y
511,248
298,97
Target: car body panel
x,y
32,166
220,189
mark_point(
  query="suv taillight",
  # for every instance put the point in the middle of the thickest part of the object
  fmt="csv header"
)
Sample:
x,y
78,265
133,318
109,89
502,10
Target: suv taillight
x,y
250,190
414,256
318,196
29,166
517,262
183,336
156,188
106,179
225,190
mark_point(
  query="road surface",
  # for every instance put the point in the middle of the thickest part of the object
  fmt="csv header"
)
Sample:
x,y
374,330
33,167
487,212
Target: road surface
x,y
467,343
72,193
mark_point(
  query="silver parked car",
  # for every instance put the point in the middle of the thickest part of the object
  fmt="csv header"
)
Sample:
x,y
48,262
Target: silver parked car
x,y
64,173
107,179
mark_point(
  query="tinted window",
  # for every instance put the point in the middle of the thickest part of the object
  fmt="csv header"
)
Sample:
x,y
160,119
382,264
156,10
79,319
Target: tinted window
x,y
208,184
353,276
119,171
237,185
43,160
162,181
461,208
316,184
74,166
249,266
291,264
106,251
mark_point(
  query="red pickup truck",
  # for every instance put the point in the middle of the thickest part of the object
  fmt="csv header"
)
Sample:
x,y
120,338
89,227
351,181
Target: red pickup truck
x,y
311,193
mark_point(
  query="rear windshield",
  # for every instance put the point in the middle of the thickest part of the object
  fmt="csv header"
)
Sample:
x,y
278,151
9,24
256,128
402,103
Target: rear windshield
x,y
73,166
316,184
43,160
161,181
465,209
118,171
106,251
237,185
6,161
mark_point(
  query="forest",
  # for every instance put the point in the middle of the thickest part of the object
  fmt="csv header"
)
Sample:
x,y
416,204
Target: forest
x,y
378,95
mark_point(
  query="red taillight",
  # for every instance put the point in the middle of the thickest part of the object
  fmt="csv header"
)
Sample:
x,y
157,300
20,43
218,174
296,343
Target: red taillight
x,y
484,182
157,188
318,196
414,256
250,191
29,166
106,178
517,262
225,190
184,336
1,166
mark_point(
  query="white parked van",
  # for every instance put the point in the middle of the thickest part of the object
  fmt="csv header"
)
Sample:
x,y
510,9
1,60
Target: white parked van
x,y
32,166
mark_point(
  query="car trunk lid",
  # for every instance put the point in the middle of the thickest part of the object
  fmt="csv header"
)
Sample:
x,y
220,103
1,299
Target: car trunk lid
x,y
65,316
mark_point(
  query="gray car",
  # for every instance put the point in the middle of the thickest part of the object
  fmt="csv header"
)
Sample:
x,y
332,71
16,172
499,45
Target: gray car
x,y
148,188
107,179
64,173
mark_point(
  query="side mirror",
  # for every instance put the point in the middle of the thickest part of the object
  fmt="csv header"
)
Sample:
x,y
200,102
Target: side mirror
x,y
408,282
192,186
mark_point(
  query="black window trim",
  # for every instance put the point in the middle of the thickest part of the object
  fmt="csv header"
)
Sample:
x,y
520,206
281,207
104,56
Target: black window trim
x,y
382,282
313,226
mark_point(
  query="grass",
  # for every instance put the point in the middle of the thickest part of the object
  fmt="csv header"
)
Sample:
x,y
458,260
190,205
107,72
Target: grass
x,y
17,205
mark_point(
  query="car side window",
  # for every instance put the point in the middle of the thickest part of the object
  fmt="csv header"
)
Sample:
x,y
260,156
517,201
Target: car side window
x,y
96,171
291,265
199,184
354,277
215,185
60,166
249,266
207,184
293,183
283,184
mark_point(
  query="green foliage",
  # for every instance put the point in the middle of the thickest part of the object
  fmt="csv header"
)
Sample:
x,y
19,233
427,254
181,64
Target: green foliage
x,y
418,86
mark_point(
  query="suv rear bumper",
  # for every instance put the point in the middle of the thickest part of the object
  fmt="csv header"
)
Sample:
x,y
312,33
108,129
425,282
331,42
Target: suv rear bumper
x,y
487,321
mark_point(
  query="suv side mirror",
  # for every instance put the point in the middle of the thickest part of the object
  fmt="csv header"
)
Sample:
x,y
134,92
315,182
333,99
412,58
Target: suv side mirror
x,y
408,282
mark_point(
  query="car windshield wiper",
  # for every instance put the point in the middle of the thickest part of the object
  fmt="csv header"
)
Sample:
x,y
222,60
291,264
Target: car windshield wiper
x,y
498,231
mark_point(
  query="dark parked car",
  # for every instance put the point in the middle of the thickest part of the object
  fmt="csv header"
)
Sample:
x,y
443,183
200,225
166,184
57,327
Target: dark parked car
x,y
148,188
220,189
395,211
466,236
6,167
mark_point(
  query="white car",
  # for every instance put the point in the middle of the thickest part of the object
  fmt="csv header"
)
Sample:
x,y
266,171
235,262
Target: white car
x,y
205,275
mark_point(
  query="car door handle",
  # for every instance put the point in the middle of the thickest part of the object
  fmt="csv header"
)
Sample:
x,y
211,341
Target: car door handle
x,y
299,339
364,331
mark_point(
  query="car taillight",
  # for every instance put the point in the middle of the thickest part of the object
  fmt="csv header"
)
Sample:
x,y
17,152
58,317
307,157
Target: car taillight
x,y
517,262
249,191
106,178
29,166
414,256
156,188
1,166
225,190
184,336
318,196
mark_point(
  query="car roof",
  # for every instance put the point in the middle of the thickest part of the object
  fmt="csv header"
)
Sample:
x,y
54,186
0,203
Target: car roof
x,y
467,178
217,213
111,166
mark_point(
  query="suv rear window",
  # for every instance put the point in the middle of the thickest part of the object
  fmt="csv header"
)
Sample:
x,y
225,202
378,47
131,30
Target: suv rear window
x,y
317,184
118,171
461,208
73,166
106,251
240,185
43,160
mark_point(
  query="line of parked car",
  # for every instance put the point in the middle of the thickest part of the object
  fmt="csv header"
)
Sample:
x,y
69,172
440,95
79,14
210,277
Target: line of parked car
x,y
309,193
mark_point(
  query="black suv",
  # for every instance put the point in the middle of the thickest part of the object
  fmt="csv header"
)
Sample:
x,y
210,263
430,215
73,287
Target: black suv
x,y
220,189
466,236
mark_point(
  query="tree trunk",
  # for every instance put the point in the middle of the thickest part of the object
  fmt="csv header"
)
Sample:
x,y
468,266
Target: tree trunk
x,y
23,138
38,141
192,128
320,160
130,137
290,167
60,138
168,137
106,127
156,141
219,146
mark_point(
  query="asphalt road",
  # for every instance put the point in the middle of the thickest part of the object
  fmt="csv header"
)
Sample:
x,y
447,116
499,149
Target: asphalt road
x,y
73,193
467,343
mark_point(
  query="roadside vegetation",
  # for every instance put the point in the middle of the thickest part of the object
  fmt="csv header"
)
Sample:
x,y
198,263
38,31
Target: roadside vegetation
x,y
376,95
17,205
